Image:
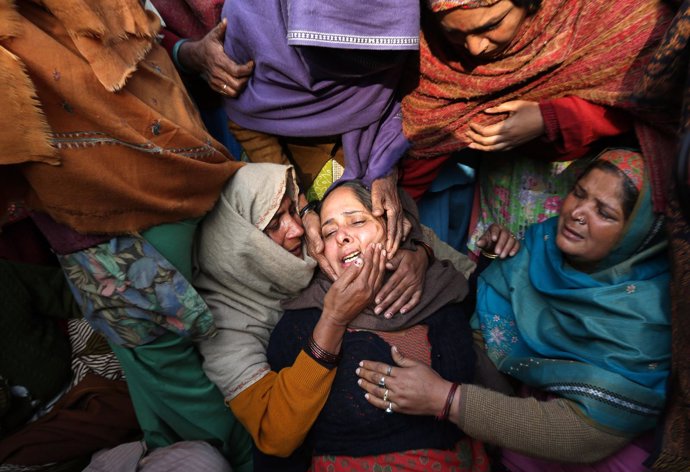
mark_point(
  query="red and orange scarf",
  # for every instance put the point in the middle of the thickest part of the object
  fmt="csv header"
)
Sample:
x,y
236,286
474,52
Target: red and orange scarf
x,y
593,49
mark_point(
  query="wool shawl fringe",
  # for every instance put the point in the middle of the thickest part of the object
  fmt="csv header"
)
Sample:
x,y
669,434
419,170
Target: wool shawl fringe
x,y
154,161
22,119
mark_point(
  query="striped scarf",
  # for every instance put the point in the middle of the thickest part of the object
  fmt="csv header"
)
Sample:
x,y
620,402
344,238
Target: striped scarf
x,y
593,49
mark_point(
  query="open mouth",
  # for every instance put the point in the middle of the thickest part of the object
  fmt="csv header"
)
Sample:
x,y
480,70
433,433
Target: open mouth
x,y
351,257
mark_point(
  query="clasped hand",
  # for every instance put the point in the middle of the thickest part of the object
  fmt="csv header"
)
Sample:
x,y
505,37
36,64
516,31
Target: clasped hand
x,y
499,241
208,58
523,124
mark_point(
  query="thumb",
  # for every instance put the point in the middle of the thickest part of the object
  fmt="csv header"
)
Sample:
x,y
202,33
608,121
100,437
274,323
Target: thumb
x,y
377,202
506,107
219,30
399,359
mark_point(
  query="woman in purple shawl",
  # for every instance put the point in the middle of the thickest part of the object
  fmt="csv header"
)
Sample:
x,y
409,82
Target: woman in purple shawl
x,y
328,71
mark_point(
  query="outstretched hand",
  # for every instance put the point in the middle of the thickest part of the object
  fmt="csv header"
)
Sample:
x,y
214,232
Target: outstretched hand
x,y
523,124
499,241
208,58
315,246
403,289
410,386
385,200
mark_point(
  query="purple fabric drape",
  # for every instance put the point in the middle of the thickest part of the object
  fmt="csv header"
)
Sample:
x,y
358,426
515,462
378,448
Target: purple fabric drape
x,y
284,98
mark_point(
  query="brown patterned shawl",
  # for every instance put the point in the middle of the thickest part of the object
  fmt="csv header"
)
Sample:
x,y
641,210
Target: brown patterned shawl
x,y
96,123
593,49
665,83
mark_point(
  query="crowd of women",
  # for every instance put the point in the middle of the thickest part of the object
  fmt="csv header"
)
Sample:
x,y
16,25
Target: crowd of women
x,y
361,236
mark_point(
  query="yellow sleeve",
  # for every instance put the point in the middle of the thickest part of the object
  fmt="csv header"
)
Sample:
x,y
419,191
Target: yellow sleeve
x,y
280,409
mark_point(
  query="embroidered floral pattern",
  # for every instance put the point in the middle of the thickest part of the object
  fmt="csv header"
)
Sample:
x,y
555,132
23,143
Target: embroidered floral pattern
x,y
500,334
468,456
516,192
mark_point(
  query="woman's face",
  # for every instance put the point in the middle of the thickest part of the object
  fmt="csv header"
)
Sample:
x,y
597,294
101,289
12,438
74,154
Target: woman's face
x,y
285,228
592,219
348,228
483,32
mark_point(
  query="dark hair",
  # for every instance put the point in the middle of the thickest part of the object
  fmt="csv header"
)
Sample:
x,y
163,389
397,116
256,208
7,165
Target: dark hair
x,y
630,192
362,193
530,5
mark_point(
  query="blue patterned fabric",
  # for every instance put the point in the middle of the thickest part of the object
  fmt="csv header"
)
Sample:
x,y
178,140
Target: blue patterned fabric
x,y
601,339
131,294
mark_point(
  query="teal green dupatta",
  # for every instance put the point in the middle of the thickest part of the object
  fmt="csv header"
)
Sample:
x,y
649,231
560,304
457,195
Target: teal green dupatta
x,y
602,339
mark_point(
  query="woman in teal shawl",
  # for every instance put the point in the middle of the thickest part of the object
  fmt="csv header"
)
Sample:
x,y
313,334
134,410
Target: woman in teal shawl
x,y
580,317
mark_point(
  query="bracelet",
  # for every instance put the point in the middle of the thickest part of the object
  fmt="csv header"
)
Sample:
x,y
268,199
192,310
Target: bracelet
x,y
429,251
325,358
489,255
311,206
175,58
445,413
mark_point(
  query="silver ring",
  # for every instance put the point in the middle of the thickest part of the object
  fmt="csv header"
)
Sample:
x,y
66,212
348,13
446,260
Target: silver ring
x,y
382,381
225,86
390,369
385,396
389,409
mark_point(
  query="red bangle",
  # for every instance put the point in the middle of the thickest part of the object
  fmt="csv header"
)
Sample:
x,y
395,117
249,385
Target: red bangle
x,y
445,413
328,359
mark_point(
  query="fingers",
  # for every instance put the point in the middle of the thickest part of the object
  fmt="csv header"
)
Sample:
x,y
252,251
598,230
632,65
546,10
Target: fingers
x,y
393,296
312,232
379,269
402,303
412,302
325,266
499,241
377,199
227,77
222,73
218,32
506,107
375,397
489,238
487,138
360,267
407,227
395,229
398,357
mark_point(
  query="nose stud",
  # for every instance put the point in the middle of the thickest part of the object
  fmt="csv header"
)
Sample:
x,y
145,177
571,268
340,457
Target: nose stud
x,y
580,220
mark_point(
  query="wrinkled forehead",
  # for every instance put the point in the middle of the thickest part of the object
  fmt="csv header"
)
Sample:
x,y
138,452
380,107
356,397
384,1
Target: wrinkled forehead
x,y
339,200
444,5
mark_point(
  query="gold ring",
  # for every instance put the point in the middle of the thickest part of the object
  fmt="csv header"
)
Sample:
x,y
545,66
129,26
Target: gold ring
x,y
225,86
385,396
489,255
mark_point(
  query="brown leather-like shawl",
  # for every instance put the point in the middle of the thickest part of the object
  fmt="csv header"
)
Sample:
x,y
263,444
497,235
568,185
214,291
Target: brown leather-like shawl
x,y
443,285
97,98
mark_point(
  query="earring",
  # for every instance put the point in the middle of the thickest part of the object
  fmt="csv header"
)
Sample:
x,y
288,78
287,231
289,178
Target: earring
x,y
580,220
